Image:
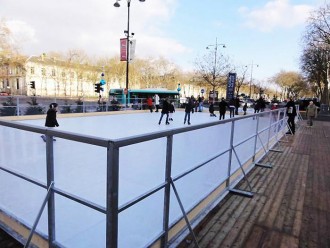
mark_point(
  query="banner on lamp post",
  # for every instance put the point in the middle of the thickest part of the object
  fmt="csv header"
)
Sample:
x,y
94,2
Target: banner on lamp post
x,y
123,49
132,44
231,86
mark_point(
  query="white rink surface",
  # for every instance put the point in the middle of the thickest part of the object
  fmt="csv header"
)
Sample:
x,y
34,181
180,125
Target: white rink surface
x,y
80,169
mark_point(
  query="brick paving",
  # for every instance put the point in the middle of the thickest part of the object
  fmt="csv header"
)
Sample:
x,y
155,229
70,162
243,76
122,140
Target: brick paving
x,y
291,202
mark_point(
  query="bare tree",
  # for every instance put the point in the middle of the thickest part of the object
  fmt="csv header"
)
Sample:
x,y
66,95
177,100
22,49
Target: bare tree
x,y
315,57
213,69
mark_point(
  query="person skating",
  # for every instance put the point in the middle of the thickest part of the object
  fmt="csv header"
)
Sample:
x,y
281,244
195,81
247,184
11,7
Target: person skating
x,y
171,111
211,110
157,102
165,111
51,120
149,103
245,108
222,108
188,108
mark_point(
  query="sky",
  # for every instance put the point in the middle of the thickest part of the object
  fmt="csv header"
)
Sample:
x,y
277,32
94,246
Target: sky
x,y
255,32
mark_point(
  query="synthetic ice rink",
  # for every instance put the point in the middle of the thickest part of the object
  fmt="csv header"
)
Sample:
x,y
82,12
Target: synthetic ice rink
x,y
80,169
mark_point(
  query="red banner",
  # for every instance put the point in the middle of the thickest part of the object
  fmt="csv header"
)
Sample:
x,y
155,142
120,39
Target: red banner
x,y
123,49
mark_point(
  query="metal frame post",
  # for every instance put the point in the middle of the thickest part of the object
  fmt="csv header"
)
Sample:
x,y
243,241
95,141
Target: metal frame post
x,y
168,169
230,152
50,180
112,196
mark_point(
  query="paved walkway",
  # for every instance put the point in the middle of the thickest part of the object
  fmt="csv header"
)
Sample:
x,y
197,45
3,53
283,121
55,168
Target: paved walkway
x,y
291,204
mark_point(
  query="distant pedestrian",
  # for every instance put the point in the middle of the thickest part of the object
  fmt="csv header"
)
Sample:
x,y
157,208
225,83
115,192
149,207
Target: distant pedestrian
x,y
291,112
222,108
149,103
211,110
188,108
171,111
157,102
232,107
311,113
51,120
237,104
200,104
165,111
245,108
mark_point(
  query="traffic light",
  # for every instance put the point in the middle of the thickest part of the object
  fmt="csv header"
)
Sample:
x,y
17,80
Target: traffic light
x,y
97,88
32,84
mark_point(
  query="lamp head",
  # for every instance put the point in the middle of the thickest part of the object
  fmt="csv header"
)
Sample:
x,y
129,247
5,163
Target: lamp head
x,y
116,4
142,0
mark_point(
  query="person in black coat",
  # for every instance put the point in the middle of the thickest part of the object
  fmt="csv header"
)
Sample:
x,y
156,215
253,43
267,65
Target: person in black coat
x,y
188,108
51,120
291,112
165,111
222,108
211,110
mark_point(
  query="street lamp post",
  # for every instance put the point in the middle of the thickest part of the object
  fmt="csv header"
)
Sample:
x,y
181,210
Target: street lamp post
x,y
127,33
215,62
251,76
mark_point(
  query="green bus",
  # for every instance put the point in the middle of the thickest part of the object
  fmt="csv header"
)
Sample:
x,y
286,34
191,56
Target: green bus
x,y
136,98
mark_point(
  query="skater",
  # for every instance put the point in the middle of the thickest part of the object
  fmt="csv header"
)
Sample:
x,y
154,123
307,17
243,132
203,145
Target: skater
x,y
188,108
171,110
149,103
232,107
245,108
222,108
237,104
291,112
157,102
211,110
165,111
51,120
311,113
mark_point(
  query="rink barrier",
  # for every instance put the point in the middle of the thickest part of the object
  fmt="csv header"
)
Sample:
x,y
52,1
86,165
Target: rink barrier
x,y
172,233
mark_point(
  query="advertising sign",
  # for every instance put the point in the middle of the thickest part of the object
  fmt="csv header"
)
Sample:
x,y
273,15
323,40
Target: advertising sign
x,y
231,86
123,49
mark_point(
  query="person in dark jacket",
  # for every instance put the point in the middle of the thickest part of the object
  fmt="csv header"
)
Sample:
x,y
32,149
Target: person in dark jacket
x,y
165,111
237,104
245,108
188,108
51,120
222,108
171,110
211,110
291,112
232,107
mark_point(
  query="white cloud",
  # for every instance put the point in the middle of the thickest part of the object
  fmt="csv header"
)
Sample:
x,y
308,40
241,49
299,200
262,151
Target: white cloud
x,y
276,13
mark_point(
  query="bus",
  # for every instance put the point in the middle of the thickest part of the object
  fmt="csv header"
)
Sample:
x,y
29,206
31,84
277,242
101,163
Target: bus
x,y
137,97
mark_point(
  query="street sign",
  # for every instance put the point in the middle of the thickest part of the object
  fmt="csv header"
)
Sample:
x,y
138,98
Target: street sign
x,y
102,82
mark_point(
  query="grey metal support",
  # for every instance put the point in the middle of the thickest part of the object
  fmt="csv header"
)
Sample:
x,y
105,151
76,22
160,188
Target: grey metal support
x,y
166,211
241,192
270,127
50,180
230,153
255,140
184,213
112,196
266,154
49,191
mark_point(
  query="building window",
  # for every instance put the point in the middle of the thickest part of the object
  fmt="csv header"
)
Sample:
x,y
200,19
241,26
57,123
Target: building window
x,y
63,73
17,83
43,71
53,73
32,70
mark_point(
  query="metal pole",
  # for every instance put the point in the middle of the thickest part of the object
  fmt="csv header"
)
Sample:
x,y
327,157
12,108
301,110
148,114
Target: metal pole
x,y
167,193
112,196
127,48
251,79
50,180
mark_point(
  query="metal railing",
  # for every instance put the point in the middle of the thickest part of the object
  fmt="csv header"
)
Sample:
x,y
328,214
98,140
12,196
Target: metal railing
x,y
268,128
